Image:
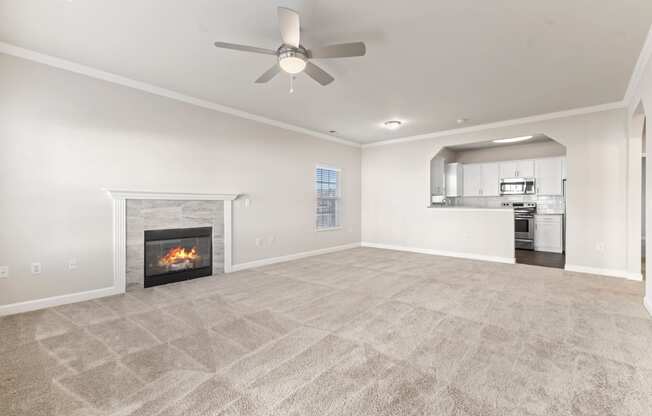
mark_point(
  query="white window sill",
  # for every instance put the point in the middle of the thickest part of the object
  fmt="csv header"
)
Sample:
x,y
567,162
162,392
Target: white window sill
x,y
329,229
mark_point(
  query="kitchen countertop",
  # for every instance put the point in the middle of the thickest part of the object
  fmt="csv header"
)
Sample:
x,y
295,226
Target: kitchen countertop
x,y
468,208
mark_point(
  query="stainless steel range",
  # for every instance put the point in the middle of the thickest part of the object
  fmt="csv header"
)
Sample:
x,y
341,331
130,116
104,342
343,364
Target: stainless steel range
x,y
523,223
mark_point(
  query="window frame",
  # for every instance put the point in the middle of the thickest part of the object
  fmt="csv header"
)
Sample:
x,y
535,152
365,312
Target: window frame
x,y
338,198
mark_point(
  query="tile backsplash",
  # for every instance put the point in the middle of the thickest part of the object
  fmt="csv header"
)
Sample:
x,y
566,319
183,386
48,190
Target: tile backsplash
x,y
545,204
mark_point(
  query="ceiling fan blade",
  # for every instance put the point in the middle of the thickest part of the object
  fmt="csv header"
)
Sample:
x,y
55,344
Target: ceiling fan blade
x,y
244,48
318,74
269,74
343,50
288,22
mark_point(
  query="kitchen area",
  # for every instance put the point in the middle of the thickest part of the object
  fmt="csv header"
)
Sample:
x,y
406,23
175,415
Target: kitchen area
x,y
526,175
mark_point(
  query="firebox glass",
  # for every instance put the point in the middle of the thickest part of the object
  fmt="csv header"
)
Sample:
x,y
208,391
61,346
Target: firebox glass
x,y
174,255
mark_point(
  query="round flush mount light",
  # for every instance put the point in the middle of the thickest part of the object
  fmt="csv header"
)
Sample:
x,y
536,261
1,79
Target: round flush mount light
x,y
292,61
513,139
392,124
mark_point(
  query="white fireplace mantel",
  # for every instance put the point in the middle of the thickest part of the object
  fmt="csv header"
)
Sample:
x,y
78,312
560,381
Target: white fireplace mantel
x,y
120,197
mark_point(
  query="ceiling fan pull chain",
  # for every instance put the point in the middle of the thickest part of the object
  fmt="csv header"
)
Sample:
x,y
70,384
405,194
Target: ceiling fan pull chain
x,y
291,84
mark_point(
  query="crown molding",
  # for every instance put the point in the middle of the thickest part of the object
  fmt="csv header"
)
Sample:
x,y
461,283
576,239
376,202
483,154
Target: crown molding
x,y
64,64
631,95
505,123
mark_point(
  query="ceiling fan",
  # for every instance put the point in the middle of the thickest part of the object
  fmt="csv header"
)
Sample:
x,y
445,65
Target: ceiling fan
x,y
293,57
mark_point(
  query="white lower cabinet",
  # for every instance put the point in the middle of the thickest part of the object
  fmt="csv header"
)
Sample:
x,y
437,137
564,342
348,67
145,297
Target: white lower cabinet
x,y
548,233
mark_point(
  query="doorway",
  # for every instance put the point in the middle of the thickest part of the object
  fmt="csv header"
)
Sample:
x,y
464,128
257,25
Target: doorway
x,y
643,196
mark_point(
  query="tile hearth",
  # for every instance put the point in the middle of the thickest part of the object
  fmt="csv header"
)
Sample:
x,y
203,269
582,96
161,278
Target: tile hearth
x,y
358,332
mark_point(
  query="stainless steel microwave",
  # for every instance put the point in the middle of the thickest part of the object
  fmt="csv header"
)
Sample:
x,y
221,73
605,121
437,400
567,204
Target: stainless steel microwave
x,y
517,186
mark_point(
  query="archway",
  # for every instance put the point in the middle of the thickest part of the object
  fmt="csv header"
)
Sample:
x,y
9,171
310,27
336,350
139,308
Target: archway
x,y
525,173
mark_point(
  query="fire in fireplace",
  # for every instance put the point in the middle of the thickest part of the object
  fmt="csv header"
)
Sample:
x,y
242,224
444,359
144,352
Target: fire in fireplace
x,y
177,254
178,258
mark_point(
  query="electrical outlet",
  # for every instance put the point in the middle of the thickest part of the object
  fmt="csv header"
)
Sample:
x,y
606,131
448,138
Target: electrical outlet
x,y
259,242
247,202
72,264
36,268
4,272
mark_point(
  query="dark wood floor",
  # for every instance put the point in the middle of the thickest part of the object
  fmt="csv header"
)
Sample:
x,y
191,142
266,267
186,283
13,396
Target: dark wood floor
x,y
540,258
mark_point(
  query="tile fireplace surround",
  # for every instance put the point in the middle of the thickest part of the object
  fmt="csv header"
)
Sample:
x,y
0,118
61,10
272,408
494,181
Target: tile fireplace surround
x,y
136,211
156,214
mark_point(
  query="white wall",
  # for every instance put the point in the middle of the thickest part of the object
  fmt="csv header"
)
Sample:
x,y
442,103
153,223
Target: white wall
x,y
395,186
458,232
65,136
513,152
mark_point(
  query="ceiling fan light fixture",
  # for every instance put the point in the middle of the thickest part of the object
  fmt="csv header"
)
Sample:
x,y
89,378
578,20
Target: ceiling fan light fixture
x,y
292,62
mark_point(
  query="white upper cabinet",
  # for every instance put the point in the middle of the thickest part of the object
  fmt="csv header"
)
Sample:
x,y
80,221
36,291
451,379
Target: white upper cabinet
x,y
517,169
525,168
472,179
508,169
490,179
481,179
437,176
454,179
548,174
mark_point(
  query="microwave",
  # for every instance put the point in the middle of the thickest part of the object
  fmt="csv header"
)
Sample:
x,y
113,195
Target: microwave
x,y
517,186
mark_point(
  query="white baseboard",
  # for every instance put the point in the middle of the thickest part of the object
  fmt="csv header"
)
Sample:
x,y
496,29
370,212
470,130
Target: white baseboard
x,y
648,304
296,256
496,259
623,274
32,305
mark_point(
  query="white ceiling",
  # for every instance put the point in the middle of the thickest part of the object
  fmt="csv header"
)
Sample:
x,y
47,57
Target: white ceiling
x,y
428,63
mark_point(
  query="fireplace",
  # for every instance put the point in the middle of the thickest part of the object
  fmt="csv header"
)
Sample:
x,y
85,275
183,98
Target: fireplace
x,y
177,254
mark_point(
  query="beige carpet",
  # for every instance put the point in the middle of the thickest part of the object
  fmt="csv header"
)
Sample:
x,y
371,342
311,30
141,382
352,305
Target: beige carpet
x,y
360,332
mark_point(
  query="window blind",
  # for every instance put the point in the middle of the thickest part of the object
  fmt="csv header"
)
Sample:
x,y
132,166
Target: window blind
x,y
327,184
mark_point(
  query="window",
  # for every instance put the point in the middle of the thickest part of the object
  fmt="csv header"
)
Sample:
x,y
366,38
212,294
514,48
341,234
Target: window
x,y
327,184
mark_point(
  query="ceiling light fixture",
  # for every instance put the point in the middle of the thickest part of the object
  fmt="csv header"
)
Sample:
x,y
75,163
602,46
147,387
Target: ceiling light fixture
x,y
513,139
392,124
292,61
